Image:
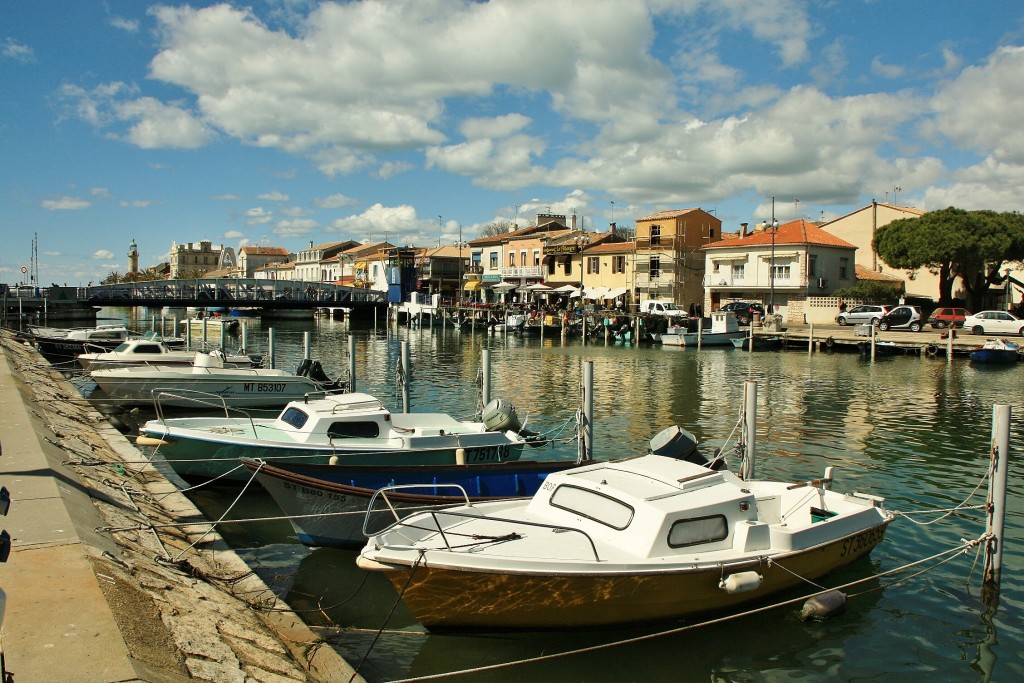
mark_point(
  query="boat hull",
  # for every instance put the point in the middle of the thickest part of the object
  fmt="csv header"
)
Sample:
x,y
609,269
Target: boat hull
x,y
444,598
201,457
995,356
708,338
327,504
256,391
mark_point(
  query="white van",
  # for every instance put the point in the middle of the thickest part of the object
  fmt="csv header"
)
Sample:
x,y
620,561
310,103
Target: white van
x,y
663,307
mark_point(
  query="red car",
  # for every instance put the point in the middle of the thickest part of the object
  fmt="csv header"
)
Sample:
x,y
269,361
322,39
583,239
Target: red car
x,y
941,318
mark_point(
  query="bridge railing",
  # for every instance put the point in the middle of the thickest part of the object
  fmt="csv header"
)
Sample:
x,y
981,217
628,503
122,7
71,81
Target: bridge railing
x,y
235,292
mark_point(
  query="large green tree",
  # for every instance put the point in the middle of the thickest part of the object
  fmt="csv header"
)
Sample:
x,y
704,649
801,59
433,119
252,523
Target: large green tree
x,y
954,243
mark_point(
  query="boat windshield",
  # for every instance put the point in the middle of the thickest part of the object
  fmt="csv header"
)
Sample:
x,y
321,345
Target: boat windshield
x,y
593,505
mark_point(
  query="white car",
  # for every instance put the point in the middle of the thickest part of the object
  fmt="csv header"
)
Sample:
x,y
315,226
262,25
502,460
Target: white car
x,y
994,322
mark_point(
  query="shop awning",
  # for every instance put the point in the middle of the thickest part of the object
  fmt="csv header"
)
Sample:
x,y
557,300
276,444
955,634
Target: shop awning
x,y
471,286
615,293
729,257
359,265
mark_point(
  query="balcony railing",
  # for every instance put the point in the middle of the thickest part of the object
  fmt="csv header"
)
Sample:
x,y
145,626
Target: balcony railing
x,y
522,271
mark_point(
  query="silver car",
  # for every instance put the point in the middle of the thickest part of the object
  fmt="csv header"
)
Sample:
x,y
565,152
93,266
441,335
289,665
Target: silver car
x,y
867,314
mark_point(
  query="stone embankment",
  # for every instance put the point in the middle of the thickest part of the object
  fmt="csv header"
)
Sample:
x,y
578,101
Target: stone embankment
x,y
98,589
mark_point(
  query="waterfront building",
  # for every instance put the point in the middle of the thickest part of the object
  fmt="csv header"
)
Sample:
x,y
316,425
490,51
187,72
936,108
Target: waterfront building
x,y
311,265
785,266
574,258
859,227
669,263
362,266
251,258
192,259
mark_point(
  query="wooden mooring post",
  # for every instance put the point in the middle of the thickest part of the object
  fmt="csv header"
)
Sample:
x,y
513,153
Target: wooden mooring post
x,y
1000,465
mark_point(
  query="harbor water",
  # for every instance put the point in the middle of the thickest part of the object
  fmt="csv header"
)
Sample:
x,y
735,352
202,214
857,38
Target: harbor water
x,y
914,430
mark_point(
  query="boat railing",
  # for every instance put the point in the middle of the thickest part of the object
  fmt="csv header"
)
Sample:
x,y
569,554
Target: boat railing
x,y
464,515
202,399
383,494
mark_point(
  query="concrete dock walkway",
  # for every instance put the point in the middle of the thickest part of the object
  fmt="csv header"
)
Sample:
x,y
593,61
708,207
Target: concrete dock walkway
x,y
94,593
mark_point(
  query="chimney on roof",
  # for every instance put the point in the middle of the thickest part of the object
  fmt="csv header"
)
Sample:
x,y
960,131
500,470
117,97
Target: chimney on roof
x,y
743,229
574,220
611,227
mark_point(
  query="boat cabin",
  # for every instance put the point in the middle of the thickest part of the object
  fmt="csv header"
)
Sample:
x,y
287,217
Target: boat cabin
x,y
361,416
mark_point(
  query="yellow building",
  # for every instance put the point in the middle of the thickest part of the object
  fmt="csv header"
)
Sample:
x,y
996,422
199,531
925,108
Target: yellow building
x,y
669,261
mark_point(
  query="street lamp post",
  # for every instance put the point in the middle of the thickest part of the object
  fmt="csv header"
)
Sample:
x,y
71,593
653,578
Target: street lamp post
x,y
582,241
773,226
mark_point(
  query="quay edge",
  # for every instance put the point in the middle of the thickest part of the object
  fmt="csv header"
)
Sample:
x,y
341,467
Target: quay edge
x,y
86,604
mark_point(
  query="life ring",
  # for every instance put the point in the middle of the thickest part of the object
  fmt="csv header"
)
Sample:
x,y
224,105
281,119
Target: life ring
x,y
829,343
931,349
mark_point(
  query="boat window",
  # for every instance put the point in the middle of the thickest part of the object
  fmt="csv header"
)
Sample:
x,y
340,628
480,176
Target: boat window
x,y
147,348
295,417
354,430
592,505
123,347
698,530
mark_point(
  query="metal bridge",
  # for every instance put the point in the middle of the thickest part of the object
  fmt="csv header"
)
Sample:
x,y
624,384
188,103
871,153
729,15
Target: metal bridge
x,y
269,295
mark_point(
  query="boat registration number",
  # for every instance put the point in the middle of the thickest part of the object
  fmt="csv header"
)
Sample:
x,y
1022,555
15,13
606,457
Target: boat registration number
x,y
865,539
267,387
306,491
488,454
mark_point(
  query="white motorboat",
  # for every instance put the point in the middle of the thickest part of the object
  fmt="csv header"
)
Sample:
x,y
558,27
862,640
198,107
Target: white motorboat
x,y
619,542
155,352
60,343
209,382
346,429
724,328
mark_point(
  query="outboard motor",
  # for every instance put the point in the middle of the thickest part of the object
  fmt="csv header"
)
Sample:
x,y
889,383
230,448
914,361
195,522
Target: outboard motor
x,y
316,372
680,444
499,416
303,368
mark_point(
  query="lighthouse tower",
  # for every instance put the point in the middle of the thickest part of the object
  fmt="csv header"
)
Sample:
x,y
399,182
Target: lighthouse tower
x,y
133,257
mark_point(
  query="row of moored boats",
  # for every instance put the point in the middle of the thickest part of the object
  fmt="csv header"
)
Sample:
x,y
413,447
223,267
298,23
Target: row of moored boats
x,y
474,535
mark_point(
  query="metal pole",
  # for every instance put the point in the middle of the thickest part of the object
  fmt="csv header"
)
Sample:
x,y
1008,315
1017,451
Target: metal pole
x,y
485,389
749,429
810,341
771,268
949,344
997,496
245,338
872,343
587,428
700,331
352,362
404,376
271,348
188,332
306,346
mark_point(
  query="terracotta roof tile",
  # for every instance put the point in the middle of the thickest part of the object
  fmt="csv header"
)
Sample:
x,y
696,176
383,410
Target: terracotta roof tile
x,y
794,232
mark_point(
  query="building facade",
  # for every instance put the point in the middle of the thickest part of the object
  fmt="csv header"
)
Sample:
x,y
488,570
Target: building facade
x,y
669,263
195,259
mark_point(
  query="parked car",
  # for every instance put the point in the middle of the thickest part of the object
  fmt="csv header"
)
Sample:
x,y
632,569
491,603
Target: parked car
x,y
868,314
665,308
994,322
941,318
902,318
744,310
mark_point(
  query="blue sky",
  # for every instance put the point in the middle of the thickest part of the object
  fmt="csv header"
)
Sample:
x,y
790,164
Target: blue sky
x,y
285,122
